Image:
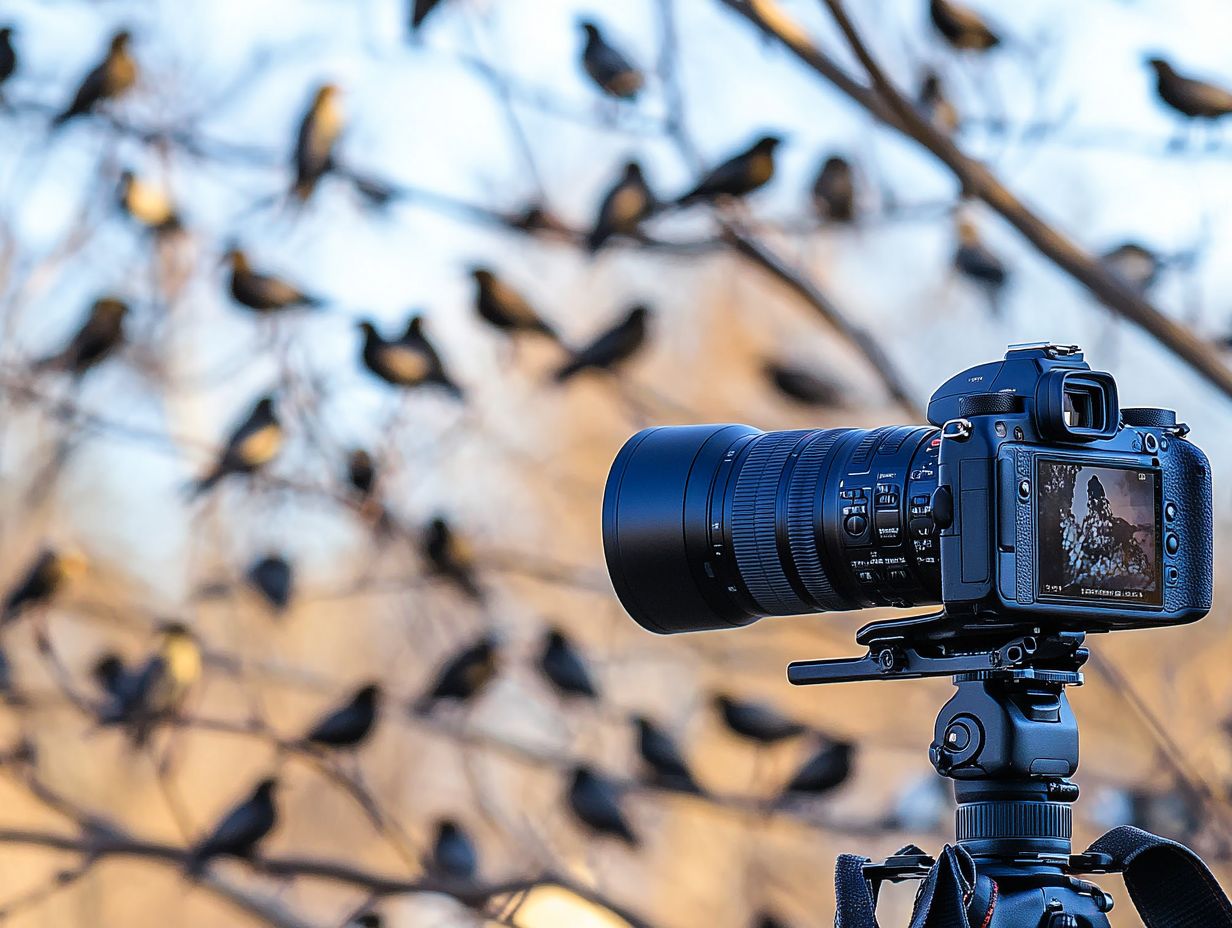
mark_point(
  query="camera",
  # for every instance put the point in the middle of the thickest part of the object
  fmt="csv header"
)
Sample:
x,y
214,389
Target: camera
x,y
1032,499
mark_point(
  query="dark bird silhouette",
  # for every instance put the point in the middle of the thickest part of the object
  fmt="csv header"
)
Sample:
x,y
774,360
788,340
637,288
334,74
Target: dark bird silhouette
x,y
1189,96
44,578
110,674
609,349
366,920
765,920
739,175
935,105
802,386
564,667
255,443
624,207
349,724
264,293
962,28
463,676
1135,264
595,801
453,853
147,204
975,261
319,131
834,191
98,337
8,54
828,768
112,77
410,361
451,558
158,690
757,722
421,10
361,472
502,307
273,577
240,830
663,758
614,74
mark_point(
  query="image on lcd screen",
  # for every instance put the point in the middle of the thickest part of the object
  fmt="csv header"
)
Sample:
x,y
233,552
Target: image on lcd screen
x,y
1098,533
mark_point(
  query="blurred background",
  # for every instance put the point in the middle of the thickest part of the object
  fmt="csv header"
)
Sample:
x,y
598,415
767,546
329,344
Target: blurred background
x,y
257,523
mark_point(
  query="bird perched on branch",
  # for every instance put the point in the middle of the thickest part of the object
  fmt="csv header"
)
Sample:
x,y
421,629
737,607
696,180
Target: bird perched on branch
x,y
98,337
273,577
962,28
611,71
147,204
409,361
935,105
239,832
421,10
264,292
44,578
111,78
828,768
1133,263
803,386
502,307
451,558
611,348
1189,96
463,676
975,261
663,758
834,191
453,853
140,699
319,131
623,209
564,667
739,175
595,801
8,54
349,724
253,444
756,722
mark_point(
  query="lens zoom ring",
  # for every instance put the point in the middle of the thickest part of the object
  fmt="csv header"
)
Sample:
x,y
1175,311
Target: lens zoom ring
x,y
753,527
803,519
983,820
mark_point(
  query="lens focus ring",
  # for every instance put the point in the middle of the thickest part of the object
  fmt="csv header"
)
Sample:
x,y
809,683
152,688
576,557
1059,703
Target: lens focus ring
x,y
803,518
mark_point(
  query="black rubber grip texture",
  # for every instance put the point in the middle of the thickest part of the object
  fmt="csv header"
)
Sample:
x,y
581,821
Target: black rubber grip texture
x,y
1151,417
753,523
804,518
989,404
977,821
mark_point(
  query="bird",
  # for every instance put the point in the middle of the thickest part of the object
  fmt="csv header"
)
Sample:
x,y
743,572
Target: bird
x,y
110,674
409,361
8,54
319,130
739,175
50,570
348,725
611,71
802,386
1133,263
112,77
273,577
147,204
238,833
1191,97
453,853
361,472
610,348
962,28
463,676
421,10
663,758
756,722
595,801
828,768
253,444
977,263
834,190
502,307
158,690
264,293
450,558
935,105
766,920
625,206
97,338
564,667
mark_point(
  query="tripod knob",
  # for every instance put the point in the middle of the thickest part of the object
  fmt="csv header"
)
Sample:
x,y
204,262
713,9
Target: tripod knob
x,y
1062,920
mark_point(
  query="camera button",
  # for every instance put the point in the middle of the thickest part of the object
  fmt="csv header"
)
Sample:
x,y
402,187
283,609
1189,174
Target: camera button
x,y
1174,576
1172,543
1170,511
855,525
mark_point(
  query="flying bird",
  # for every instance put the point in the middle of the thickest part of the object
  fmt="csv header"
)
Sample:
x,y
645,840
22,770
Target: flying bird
x,y
595,801
44,578
827,769
564,667
935,105
111,78
97,338
421,10
463,676
663,758
273,577
502,307
8,54
409,361
962,28
255,443
1191,97
319,131
625,206
834,191
157,691
975,261
756,722
609,349
739,175
453,853
264,293
803,386
1133,263
147,204
349,724
611,71
239,832
451,558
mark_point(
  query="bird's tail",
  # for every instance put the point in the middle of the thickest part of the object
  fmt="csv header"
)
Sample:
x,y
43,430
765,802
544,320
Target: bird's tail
x,y
566,371
195,488
597,238
198,857
422,707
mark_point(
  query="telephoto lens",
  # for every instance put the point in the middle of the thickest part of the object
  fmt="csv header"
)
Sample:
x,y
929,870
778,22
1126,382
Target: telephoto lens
x,y
716,526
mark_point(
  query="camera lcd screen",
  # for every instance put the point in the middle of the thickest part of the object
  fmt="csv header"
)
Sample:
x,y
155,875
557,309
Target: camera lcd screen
x,y
1097,533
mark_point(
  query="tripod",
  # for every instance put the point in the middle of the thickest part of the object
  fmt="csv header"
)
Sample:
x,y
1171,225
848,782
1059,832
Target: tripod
x,y
1009,741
